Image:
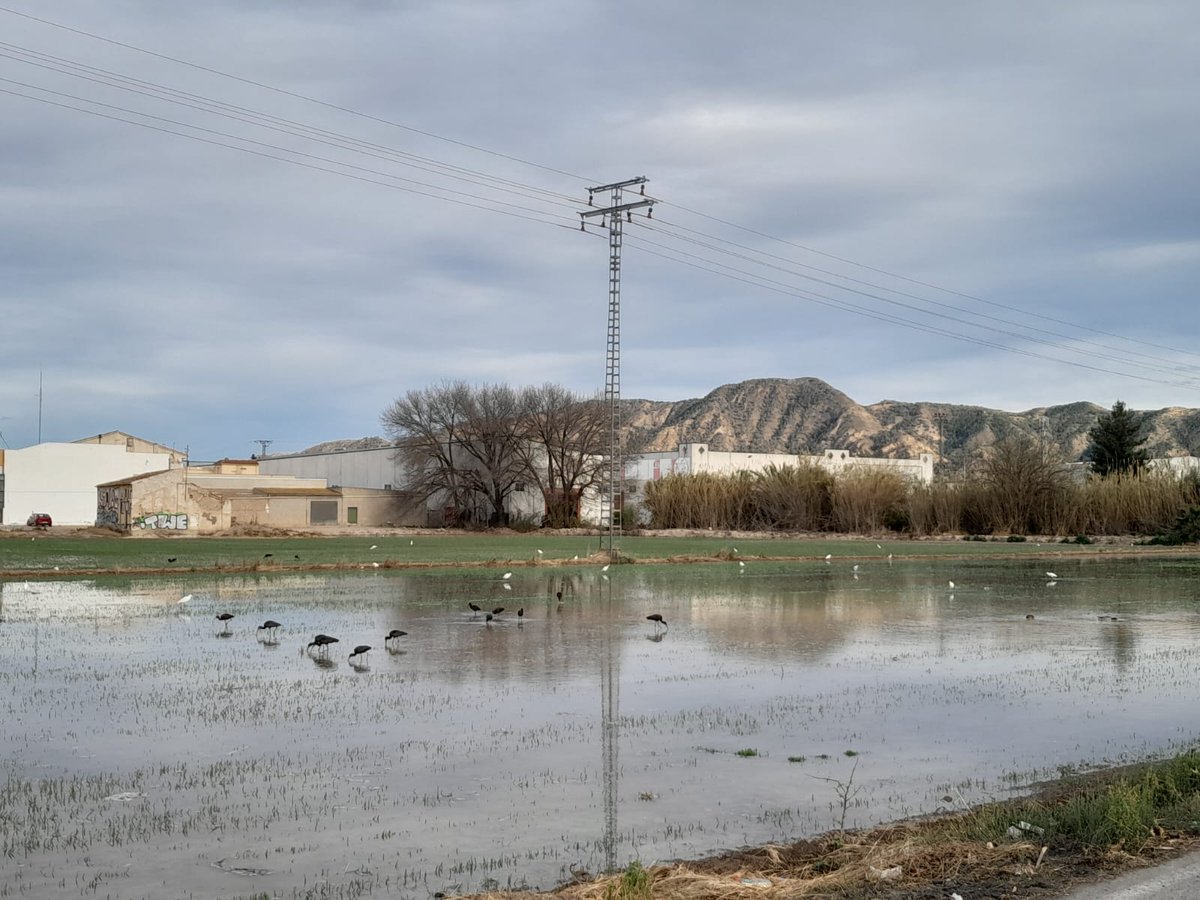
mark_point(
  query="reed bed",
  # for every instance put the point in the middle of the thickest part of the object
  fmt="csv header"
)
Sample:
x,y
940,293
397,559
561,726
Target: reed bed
x,y
1041,497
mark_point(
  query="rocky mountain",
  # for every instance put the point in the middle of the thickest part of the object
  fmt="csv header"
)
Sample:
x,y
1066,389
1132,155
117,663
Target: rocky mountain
x,y
807,416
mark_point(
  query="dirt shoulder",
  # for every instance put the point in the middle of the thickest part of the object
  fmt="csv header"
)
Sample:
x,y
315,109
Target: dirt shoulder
x,y
932,858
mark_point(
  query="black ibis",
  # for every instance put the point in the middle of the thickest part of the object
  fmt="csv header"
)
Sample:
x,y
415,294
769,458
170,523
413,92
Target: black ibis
x,y
321,641
172,558
497,610
359,650
521,613
224,618
475,608
268,555
657,619
269,625
488,619
394,634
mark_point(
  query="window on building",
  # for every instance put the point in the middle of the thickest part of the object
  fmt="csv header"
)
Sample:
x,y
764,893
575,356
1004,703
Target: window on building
x,y
519,487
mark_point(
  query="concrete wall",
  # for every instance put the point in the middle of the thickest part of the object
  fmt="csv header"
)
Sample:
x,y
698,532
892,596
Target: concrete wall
x,y
133,444
206,501
61,479
373,468
694,458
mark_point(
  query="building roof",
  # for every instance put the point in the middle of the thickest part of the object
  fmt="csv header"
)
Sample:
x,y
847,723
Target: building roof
x,y
95,439
132,478
296,492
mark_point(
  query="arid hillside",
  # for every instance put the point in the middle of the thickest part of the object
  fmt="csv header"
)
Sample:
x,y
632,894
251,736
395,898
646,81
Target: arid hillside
x,y
806,415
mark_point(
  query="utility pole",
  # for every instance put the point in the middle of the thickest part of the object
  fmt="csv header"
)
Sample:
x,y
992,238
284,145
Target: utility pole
x,y
39,406
262,447
613,218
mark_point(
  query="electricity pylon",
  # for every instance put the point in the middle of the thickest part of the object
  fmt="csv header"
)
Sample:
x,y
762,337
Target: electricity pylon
x,y
613,218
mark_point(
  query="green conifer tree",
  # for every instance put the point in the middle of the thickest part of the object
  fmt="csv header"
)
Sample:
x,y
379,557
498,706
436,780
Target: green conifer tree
x,y
1116,440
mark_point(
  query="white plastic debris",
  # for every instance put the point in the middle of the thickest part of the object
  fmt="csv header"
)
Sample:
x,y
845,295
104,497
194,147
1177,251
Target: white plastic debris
x,y
889,874
756,882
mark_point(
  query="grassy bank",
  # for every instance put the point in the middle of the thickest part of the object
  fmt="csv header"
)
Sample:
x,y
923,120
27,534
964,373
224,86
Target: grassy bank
x,y
23,554
1070,832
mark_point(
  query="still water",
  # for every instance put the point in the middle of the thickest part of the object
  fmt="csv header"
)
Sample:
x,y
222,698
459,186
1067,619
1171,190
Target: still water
x,y
148,751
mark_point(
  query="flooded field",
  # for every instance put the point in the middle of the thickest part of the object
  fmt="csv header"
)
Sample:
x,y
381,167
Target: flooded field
x,y
150,750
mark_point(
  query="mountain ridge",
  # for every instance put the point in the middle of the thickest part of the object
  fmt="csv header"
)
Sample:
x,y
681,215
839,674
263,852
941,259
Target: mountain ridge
x,y
807,416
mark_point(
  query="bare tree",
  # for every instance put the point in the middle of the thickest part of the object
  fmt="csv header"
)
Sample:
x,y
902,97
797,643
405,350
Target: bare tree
x,y
565,442
1025,485
460,443
494,446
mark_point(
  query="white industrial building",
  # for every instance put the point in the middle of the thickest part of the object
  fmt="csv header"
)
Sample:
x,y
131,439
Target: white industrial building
x,y
373,467
61,478
695,458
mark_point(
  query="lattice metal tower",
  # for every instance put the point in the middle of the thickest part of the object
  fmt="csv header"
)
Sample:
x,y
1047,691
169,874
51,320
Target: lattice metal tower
x,y
613,218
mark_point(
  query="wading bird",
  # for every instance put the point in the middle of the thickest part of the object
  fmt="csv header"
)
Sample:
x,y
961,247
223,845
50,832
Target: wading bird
x,y
172,558
321,642
521,613
506,576
487,620
269,625
497,610
657,619
359,650
186,598
475,608
394,634
1051,575
268,555
224,618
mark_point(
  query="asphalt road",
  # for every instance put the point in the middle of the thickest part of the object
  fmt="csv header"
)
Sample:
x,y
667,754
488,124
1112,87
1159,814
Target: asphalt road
x,y
1178,879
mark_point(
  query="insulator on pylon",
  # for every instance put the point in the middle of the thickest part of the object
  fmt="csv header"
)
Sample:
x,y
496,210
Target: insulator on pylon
x,y
628,215
582,224
602,222
643,191
590,203
650,213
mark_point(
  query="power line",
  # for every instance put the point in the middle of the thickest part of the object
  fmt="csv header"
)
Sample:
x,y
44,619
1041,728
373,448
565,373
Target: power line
x,y
295,162
698,262
920,283
153,90
293,94
908,306
495,183
664,227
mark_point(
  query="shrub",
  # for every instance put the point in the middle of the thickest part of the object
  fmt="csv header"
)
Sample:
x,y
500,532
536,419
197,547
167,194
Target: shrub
x,y
863,497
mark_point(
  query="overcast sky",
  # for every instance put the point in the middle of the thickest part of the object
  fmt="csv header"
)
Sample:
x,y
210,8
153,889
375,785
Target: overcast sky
x,y
969,202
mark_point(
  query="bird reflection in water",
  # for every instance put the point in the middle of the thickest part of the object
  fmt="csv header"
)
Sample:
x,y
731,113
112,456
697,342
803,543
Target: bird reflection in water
x,y
657,637
324,662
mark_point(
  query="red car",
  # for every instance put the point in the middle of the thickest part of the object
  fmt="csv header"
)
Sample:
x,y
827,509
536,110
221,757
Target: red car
x,y
39,520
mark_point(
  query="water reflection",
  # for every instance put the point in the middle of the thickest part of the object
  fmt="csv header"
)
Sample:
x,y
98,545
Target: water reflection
x,y
473,737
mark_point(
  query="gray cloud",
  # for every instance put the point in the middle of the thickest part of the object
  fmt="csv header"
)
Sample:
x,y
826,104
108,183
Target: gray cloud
x,y
1036,156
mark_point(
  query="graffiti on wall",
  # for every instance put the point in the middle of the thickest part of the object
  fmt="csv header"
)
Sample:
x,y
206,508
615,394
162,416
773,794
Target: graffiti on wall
x,y
163,520
108,508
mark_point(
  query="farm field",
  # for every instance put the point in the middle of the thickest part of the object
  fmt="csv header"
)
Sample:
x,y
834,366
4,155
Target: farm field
x,y
151,747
